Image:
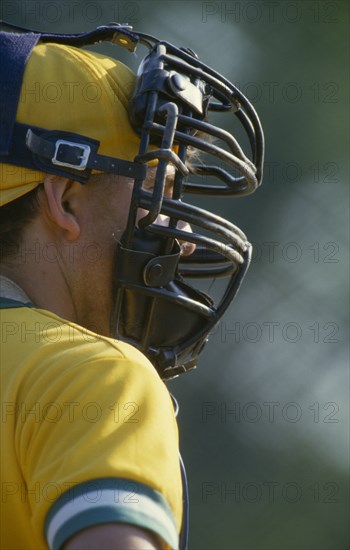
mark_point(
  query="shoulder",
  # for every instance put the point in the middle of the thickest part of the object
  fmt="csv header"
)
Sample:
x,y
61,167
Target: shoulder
x,y
94,415
48,353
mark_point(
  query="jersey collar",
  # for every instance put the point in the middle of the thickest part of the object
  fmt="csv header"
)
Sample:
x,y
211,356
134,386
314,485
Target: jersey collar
x,y
12,295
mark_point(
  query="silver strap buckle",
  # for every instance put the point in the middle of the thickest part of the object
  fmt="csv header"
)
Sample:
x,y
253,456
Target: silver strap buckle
x,y
84,157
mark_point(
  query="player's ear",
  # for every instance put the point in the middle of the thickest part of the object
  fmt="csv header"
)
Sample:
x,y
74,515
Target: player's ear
x,y
60,194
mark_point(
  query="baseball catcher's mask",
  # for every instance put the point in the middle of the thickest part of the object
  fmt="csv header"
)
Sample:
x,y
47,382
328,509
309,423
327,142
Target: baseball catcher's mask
x,y
175,99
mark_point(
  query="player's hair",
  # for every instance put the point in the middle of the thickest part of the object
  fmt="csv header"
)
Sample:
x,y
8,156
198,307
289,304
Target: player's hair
x,y
14,217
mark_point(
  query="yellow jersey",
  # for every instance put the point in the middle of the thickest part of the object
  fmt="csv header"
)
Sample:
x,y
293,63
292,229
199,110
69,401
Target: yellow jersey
x,y
88,434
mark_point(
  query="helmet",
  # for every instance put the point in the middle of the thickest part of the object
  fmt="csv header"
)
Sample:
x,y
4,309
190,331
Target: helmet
x,y
159,306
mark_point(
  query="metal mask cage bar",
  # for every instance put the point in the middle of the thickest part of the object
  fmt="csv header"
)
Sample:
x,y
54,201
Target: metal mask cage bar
x,y
230,99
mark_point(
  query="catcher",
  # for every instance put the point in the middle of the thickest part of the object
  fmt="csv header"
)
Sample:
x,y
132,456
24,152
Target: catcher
x,y
101,276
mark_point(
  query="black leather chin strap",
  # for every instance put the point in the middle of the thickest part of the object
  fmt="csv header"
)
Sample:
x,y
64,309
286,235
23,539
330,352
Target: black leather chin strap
x,y
80,156
65,154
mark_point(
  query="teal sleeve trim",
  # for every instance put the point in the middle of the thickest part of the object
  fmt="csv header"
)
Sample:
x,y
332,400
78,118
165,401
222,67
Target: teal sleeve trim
x,y
105,515
110,500
8,303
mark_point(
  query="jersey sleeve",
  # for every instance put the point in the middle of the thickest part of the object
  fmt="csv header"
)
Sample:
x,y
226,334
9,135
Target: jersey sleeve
x,y
98,442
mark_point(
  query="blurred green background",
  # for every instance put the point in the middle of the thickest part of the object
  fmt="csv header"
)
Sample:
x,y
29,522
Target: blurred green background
x,y
264,419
